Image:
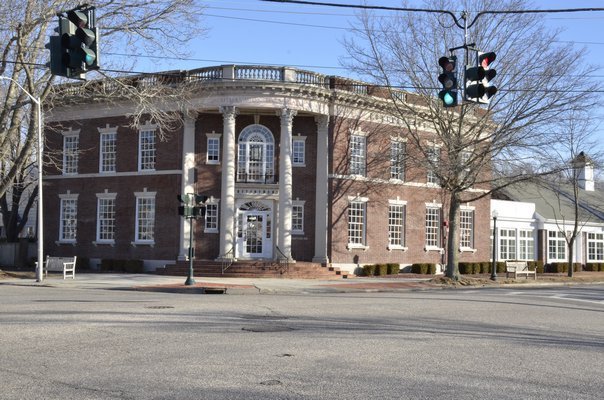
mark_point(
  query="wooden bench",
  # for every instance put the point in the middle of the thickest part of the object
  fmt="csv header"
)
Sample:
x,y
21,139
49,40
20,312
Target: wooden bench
x,y
518,268
60,264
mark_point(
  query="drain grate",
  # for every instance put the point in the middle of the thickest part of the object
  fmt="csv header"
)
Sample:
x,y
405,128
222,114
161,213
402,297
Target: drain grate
x,y
159,307
267,329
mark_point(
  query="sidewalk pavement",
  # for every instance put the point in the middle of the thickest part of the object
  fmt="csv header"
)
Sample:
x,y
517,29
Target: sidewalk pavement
x,y
175,284
246,286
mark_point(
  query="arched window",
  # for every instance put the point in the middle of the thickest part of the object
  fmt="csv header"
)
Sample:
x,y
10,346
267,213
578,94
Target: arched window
x,y
256,155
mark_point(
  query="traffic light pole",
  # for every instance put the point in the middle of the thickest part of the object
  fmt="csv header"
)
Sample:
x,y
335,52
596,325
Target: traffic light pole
x,y
38,103
190,280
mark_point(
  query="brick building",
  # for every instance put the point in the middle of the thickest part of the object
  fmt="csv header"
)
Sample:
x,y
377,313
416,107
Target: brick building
x,y
295,164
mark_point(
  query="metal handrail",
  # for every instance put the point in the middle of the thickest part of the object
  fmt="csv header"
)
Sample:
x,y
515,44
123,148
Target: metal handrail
x,y
227,260
283,260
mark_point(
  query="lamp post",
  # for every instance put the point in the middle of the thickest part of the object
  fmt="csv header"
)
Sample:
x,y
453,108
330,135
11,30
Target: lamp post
x,y
192,207
494,214
37,102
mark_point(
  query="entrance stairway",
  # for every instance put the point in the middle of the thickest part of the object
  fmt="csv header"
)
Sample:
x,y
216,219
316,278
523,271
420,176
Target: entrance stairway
x,y
254,269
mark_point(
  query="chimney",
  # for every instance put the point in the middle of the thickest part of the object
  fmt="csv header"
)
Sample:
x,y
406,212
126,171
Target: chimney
x,y
586,172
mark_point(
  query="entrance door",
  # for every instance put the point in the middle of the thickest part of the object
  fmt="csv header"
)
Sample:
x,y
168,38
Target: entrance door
x,y
254,238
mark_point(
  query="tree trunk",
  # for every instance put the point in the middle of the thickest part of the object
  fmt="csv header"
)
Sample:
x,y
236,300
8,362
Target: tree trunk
x,y
452,240
571,244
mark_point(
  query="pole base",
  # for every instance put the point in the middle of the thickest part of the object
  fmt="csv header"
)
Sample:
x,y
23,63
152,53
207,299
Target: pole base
x,y
190,281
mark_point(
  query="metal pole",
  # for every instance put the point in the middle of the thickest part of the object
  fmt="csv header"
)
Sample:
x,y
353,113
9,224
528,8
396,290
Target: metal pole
x,y
38,102
190,281
39,274
494,268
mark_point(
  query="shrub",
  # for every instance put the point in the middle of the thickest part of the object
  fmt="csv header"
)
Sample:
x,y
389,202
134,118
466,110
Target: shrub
x,y
106,265
369,270
421,268
134,266
537,266
431,268
485,267
501,267
393,269
591,267
465,268
381,269
82,263
601,267
558,267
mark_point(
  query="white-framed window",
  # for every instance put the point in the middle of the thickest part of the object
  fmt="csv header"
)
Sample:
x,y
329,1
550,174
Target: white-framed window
x,y
299,151
212,216
433,216
256,155
433,161
358,155
213,155
145,218
556,246
298,217
68,218
107,152
507,244
71,145
396,224
146,148
105,226
595,246
397,159
466,229
357,223
526,245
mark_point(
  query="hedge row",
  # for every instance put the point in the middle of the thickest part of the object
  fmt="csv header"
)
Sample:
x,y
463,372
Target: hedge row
x,y
594,267
467,268
129,266
423,268
380,269
558,267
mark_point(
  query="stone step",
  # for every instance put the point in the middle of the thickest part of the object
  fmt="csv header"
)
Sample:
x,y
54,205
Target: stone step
x,y
254,269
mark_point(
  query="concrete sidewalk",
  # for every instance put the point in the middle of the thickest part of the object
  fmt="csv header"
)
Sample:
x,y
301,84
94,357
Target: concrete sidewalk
x,y
247,286
174,284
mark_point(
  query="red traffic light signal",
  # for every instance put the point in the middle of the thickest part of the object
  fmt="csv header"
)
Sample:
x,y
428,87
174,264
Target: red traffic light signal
x,y
478,88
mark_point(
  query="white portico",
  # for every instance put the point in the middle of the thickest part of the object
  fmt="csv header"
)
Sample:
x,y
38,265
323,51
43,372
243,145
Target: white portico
x,y
256,181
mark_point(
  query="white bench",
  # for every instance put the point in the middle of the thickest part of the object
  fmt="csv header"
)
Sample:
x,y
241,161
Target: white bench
x,y
60,264
518,268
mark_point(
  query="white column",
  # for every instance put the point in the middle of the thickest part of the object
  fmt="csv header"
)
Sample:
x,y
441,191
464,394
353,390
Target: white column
x,y
284,238
227,191
321,197
188,177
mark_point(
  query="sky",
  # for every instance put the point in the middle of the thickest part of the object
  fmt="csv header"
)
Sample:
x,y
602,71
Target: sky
x,y
310,37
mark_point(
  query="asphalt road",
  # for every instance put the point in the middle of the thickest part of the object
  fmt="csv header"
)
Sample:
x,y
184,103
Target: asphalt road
x,y
542,343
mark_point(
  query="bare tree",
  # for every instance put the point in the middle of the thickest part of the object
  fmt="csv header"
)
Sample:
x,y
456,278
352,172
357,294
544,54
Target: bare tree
x,y
574,154
157,26
480,148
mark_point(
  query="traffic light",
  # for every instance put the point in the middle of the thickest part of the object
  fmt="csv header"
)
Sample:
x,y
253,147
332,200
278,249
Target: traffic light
x,y
75,50
478,87
448,78
192,205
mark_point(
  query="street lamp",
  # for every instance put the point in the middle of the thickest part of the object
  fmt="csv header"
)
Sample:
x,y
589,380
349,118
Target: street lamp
x,y
36,100
494,214
192,207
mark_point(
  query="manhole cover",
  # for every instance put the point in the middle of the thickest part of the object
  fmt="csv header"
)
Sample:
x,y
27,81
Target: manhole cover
x,y
271,382
267,329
